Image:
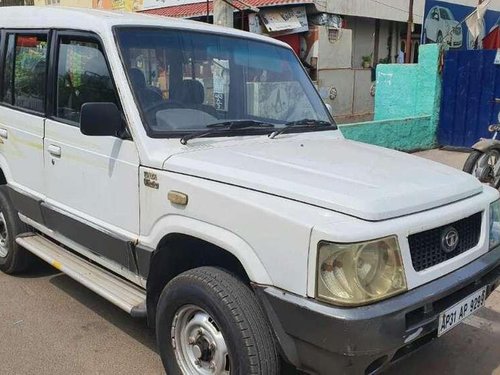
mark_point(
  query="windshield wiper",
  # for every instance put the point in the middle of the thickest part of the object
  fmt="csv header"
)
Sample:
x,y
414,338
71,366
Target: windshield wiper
x,y
304,124
226,126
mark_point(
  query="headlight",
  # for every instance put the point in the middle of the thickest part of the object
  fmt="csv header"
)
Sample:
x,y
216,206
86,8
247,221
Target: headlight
x,y
361,273
494,224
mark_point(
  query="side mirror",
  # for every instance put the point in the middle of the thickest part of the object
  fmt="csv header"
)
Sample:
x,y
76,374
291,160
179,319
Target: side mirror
x,y
100,119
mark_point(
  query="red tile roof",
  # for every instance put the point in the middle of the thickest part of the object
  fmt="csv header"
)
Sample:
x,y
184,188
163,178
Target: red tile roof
x,y
200,9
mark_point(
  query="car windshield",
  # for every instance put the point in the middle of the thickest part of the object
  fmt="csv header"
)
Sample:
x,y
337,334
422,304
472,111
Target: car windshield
x,y
186,81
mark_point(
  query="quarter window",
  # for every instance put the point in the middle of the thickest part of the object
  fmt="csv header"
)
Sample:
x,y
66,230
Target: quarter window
x,y
83,76
8,70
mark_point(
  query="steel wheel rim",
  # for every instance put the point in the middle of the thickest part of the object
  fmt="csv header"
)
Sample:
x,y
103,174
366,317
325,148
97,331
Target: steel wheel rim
x,y
198,343
4,237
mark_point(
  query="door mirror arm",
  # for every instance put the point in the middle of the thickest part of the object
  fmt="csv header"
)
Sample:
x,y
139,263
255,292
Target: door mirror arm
x,y
124,132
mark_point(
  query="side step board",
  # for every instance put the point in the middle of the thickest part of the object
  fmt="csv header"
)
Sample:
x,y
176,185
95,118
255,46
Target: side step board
x,y
121,293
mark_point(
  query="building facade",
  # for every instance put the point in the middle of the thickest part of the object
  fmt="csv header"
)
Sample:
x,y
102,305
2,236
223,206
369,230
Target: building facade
x,y
9,3
66,3
124,5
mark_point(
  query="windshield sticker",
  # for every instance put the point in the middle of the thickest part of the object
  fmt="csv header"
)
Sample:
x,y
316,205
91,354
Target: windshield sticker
x,y
220,71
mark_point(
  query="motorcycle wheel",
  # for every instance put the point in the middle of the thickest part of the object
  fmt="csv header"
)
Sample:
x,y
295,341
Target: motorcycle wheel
x,y
485,166
470,163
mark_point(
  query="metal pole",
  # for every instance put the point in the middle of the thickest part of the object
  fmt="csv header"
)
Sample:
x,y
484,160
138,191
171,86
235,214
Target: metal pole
x,y
408,34
376,43
208,11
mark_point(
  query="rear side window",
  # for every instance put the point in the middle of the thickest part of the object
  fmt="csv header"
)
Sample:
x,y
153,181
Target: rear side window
x,y
30,69
25,69
83,76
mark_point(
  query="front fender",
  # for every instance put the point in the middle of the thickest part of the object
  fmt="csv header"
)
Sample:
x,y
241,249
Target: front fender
x,y
485,144
215,235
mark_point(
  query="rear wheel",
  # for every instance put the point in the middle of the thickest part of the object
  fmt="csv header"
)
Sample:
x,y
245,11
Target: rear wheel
x,y
210,323
470,163
13,258
439,38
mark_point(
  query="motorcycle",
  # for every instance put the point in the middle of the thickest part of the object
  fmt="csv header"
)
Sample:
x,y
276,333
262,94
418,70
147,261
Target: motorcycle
x,y
484,160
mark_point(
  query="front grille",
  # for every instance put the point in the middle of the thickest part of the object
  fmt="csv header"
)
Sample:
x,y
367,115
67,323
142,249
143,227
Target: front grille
x,y
425,247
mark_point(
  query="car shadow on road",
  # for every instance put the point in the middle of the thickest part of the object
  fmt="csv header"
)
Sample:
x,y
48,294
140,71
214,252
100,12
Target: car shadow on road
x,y
135,328
39,268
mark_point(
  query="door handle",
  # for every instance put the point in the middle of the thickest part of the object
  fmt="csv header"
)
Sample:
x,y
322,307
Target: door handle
x,y
4,133
54,151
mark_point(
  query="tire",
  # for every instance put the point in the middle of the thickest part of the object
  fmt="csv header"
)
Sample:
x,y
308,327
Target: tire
x,y
235,313
439,38
424,37
471,161
13,258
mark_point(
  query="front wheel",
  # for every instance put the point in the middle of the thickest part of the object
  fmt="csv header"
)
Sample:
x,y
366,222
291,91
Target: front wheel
x,y
209,323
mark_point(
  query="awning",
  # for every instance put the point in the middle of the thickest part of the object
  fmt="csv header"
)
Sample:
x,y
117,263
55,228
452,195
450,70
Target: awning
x,y
200,9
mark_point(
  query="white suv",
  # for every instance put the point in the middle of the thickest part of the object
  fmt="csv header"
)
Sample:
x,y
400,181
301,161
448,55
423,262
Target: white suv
x,y
192,175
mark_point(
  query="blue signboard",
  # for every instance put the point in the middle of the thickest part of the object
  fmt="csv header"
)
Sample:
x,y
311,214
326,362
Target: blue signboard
x,y
444,22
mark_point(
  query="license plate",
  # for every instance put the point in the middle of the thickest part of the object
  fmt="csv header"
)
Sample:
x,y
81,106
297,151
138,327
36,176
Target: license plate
x,y
461,310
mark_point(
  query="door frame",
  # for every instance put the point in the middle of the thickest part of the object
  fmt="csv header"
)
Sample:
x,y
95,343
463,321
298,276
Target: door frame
x,y
103,241
53,69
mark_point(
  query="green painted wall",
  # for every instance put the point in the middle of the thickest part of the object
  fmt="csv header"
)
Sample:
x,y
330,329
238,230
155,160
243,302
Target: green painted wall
x,y
406,105
414,133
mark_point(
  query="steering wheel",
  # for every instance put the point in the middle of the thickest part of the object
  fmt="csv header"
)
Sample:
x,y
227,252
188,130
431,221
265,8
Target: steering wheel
x,y
90,74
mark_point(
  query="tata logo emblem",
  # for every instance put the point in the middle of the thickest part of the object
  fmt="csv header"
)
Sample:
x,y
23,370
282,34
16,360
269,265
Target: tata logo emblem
x,y
449,240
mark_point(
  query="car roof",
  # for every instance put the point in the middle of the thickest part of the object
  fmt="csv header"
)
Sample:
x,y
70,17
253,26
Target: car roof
x,y
101,21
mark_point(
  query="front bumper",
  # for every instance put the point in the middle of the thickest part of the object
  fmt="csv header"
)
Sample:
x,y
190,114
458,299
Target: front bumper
x,y
323,339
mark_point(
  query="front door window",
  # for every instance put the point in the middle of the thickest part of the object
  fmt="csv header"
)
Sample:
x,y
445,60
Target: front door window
x,y
82,76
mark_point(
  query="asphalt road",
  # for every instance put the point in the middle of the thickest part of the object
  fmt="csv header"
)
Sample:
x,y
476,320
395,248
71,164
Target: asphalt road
x,y
51,325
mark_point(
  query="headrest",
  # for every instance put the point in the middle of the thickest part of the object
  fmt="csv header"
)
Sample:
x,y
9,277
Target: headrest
x,y
137,78
193,92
